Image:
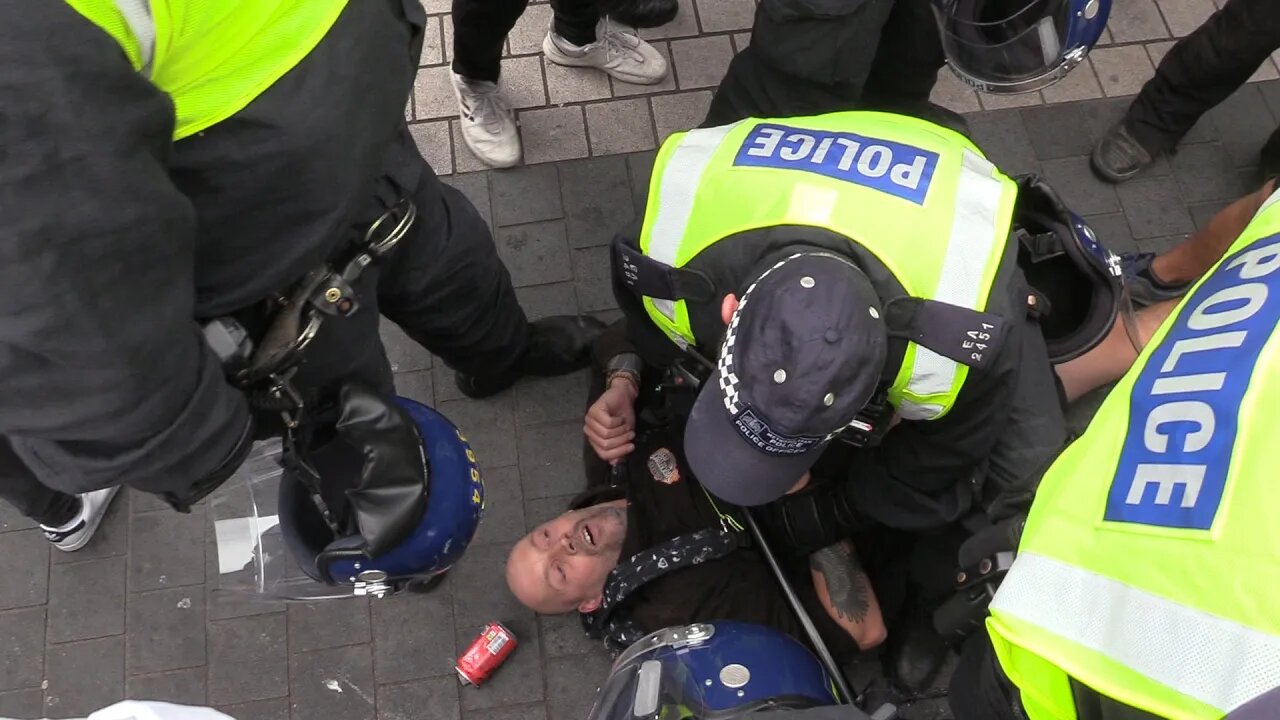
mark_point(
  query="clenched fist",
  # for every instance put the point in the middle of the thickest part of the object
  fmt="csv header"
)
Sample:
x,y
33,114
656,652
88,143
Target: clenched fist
x,y
611,420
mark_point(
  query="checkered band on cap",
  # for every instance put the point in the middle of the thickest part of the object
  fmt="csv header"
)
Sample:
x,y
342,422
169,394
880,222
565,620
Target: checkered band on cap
x,y
728,379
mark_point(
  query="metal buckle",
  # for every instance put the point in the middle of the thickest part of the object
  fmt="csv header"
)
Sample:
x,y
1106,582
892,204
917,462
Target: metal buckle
x,y
407,212
676,637
372,583
323,292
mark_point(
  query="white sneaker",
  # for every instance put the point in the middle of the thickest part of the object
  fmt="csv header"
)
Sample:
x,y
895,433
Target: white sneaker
x,y
77,533
488,124
616,51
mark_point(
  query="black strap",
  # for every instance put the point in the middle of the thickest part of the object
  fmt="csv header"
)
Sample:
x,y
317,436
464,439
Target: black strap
x,y
651,278
1039,246
644,567
969,337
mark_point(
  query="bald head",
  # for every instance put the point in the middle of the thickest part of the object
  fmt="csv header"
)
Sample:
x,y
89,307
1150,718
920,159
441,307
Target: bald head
x,y
563,564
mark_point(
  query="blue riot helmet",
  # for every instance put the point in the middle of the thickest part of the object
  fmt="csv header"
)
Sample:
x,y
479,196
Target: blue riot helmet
x,y
1016,46
393,529
1077,276
712,670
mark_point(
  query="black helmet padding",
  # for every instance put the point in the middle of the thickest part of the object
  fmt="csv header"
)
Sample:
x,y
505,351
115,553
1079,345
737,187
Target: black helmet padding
x,y
1056,255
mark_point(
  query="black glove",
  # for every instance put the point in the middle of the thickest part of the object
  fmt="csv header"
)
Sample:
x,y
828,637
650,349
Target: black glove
x,y
640,13
1000,537
964,612
807,521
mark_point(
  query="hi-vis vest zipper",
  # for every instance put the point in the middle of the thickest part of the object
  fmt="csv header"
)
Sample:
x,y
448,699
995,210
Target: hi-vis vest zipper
x,y
1149,569
921,198
212,57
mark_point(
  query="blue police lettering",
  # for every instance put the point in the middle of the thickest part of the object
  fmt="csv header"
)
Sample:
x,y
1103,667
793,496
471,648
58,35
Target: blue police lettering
x,y
1184,406
890,167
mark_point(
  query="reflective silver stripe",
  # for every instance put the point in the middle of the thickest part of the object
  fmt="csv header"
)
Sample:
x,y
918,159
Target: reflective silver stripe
x,y
973,237
677,189
1216,661
137,15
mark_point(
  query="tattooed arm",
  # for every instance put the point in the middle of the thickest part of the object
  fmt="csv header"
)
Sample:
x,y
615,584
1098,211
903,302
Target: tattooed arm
x,y
846,594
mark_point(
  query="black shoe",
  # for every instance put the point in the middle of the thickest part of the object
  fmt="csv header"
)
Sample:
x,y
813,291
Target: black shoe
x,y
915,661
1119,156
1144,287
557,346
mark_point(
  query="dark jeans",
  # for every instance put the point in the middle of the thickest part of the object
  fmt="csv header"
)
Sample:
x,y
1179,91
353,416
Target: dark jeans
x,y
809,57
1201,70
444,284
480,26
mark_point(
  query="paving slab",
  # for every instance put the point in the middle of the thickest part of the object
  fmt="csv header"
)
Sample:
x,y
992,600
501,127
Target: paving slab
x,y
166,631
24,560
83,677
184,687
426,699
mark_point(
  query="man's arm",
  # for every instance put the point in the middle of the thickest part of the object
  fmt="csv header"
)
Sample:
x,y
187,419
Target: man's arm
x,y
104,373
1195,255
845,593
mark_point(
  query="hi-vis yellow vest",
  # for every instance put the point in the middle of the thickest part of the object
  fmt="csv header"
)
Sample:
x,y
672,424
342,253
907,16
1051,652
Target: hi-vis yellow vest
x,y
212,57
921,198
1149,569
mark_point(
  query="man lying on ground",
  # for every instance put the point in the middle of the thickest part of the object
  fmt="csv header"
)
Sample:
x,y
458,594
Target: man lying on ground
x,y
656,550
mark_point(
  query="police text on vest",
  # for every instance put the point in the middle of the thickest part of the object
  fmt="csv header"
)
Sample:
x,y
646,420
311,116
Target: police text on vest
x,y
1184,408
900,170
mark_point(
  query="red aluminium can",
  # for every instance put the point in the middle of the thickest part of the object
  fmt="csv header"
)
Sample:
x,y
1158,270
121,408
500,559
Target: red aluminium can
x,y
494,645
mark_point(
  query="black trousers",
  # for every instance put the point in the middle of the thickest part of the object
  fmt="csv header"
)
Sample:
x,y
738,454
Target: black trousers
x,y
809,57
480,26
1201,70
979,690
444,284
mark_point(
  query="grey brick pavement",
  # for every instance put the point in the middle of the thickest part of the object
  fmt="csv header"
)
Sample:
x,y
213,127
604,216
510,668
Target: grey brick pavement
x,y
132,614
569,113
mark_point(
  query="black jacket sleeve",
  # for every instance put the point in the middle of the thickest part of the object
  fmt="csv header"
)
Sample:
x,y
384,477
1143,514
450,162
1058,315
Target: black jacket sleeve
x,y
924,474
104,374
641,336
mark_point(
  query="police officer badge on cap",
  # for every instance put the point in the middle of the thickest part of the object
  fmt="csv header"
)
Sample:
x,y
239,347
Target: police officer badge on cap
x,y
803,353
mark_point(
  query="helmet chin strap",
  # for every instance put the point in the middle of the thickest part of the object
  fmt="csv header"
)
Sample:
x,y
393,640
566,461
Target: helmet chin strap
x,y
1129,316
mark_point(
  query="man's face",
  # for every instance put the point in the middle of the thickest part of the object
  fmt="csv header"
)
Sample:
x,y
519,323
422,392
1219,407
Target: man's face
x,y
562,565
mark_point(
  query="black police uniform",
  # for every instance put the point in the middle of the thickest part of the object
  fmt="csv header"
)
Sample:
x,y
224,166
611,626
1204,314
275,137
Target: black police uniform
x,y
987,451
809,57
117,241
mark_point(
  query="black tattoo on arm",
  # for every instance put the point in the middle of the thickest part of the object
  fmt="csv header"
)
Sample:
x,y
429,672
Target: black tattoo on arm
x,y
847,582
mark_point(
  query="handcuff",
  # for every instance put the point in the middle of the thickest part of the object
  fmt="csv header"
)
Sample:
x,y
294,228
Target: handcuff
x,y
264,371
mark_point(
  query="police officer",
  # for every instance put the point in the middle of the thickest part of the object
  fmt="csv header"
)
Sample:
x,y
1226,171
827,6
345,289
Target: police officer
x,y
809,57
854,275
166,164
1146,575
